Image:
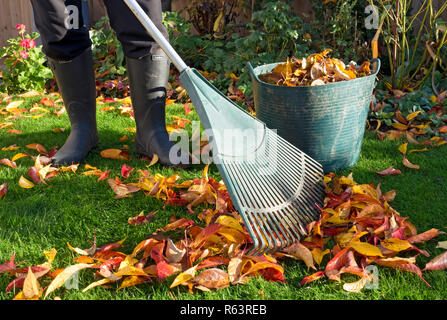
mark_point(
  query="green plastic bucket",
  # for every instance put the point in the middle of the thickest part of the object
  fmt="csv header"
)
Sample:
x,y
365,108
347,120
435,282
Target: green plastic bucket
x,y
327,122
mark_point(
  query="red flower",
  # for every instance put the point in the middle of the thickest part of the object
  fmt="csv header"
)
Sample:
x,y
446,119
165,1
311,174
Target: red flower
x,y
24,55
28,43
20,27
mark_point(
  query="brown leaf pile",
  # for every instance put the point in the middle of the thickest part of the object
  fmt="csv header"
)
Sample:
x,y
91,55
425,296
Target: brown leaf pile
x,y
317,69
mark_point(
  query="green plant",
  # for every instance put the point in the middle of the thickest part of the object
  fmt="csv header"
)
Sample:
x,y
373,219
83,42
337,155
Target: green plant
x,y
339,25
110,62
414,41
273,34
24,64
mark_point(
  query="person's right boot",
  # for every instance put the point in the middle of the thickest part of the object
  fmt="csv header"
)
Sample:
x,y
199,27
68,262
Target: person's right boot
x,y
77,86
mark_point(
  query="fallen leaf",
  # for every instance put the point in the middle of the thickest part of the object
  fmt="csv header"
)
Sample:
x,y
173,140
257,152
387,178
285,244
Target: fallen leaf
x,y
396,244
38,147
356,286
366,249
19,156
25,184
213,279
115,154
8,163
184,277
389,171
126,170
31,287
425,236
311,278
86,252
3,189
64,276
153,161
410,165
141,218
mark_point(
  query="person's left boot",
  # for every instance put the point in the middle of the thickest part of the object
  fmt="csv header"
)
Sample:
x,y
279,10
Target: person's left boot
x,y
148,79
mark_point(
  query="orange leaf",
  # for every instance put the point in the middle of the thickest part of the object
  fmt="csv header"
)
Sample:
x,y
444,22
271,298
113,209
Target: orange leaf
x,y
38,147
115,154
425,236
213,279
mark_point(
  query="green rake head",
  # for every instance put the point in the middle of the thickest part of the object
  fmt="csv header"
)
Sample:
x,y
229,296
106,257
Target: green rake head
x,y
273,185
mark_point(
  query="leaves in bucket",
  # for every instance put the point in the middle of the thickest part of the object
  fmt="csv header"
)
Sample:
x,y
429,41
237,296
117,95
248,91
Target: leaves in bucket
x,y
317,69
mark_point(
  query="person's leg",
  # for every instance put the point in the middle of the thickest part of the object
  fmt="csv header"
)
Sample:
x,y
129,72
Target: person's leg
x,y
148,70
68,48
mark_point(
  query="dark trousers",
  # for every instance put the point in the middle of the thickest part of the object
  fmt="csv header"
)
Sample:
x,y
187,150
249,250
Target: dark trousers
x,y
63,43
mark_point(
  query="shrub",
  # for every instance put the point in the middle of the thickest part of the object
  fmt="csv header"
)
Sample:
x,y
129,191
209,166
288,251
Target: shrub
x,y
24,64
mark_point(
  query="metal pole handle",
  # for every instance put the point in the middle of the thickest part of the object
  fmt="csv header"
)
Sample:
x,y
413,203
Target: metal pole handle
x,y
156,34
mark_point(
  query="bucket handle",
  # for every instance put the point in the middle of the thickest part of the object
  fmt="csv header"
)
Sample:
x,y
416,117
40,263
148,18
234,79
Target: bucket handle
x,y
252,72
377,64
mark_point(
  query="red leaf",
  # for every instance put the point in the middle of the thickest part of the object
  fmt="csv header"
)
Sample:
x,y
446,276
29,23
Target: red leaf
x,y
104,175
212,262
126,170
312,277
164,270
8,265
34,175
141,218
187,109
3,189
389,171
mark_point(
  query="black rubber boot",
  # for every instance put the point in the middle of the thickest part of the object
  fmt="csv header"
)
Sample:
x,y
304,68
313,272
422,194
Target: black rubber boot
x,y
76,82
148,79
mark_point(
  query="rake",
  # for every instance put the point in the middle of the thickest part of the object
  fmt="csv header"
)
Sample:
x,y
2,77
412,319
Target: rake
x,y
274,186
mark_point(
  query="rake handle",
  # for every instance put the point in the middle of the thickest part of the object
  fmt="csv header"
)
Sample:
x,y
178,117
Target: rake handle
x,y
156,34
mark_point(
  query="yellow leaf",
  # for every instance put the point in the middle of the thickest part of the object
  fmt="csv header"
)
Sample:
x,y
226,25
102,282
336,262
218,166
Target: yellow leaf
x,y
403,148
10,148
184,277
229,222
418,150
399,126
19,156
395,244
25,184
366,249
50,255
413,115
96,283
433,99
319,254
132,281
153,161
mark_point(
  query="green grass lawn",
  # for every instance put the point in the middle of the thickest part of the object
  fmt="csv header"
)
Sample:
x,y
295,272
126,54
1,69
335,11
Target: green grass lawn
x,y
72,207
